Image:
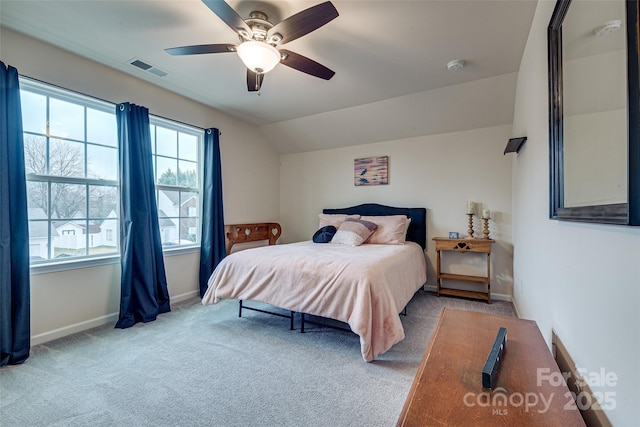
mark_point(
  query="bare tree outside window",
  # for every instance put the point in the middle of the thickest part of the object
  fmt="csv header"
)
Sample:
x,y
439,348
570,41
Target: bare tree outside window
x,y
65,160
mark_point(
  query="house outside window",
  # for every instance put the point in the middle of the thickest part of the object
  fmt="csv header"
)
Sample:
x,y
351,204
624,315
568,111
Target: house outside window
x,y
71,163
176,161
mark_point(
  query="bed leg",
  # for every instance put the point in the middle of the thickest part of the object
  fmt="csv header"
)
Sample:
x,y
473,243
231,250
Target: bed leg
x,y
302,323
240,309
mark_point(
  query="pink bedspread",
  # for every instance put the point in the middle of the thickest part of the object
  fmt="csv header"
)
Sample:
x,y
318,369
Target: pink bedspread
x,y
365,286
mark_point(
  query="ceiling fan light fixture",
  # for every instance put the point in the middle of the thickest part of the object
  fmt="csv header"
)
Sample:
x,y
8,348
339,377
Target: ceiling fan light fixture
x,y
257,56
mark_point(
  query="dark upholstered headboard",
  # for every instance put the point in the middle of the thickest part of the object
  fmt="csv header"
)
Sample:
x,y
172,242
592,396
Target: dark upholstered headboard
x,y
417,229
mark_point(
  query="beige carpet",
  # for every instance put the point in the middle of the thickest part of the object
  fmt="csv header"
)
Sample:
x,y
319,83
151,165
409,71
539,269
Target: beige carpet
x,y
204,366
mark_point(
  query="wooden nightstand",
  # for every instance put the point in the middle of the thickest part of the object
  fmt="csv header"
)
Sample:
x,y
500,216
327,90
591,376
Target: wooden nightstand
x,y
463,246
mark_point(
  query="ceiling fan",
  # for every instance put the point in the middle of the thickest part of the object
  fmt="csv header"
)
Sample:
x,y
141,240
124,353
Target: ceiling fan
x,y
260,40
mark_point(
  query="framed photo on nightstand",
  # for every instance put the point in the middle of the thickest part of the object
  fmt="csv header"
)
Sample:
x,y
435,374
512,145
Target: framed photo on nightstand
x,y
453,235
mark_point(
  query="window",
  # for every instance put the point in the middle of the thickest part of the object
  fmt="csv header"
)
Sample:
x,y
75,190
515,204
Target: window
x,y
176,166
71,162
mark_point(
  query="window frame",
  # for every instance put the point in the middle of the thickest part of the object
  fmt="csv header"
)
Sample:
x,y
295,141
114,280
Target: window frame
x,y
86,102
198,133
89,260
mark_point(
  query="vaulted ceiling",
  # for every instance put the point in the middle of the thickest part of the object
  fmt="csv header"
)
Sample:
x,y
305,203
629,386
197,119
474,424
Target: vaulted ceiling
x,y
390,60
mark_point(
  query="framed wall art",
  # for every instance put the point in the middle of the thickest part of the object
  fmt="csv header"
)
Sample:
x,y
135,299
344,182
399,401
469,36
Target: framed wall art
x,y
371,171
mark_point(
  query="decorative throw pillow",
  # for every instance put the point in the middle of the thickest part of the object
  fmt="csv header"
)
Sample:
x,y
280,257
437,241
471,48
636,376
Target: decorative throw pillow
x,y
324,234
392,229
334,219
353,232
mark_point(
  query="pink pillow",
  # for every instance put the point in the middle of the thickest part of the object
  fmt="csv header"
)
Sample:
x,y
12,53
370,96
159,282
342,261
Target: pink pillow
x,y
353,232
334,219
392,229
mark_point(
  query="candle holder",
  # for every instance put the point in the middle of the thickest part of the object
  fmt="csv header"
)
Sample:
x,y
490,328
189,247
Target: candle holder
x,y
485,232
470,229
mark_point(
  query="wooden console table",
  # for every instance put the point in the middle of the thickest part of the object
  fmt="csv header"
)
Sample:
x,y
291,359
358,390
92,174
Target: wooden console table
x,y
447,390
482,246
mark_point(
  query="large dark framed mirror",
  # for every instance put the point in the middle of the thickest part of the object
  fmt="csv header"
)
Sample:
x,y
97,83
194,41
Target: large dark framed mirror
x,y
594,112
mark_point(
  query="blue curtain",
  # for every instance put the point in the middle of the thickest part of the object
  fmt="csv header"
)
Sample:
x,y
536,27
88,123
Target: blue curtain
x,y
15,325
143,293
212,249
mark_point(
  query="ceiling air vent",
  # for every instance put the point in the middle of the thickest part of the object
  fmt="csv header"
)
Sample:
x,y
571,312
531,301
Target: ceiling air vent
x,y
147,67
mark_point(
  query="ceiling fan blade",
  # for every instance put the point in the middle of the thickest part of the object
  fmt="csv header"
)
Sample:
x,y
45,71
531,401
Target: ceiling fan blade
x,y
254,81
229,16
304,22
201,48
306,65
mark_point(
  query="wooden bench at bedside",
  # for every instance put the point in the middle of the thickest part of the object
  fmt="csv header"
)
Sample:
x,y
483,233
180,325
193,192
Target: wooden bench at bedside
x,y
245,233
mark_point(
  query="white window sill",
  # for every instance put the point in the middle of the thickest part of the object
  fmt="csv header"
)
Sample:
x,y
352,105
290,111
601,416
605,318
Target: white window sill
x,y
52,267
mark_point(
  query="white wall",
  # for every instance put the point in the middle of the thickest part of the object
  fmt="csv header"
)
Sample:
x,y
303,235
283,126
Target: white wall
x,y
438,172
73,300
581,280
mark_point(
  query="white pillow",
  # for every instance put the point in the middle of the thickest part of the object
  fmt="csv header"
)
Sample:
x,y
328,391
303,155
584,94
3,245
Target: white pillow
x,y
334,219
406,228
392,229
353,232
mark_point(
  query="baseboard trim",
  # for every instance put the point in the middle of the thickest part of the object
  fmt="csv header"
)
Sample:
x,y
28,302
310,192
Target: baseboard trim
x,y
94,323
515,308
185,297
497,297
592,414
73,329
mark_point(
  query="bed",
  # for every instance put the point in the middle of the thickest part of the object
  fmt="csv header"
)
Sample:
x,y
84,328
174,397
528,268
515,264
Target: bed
x,y
365,286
